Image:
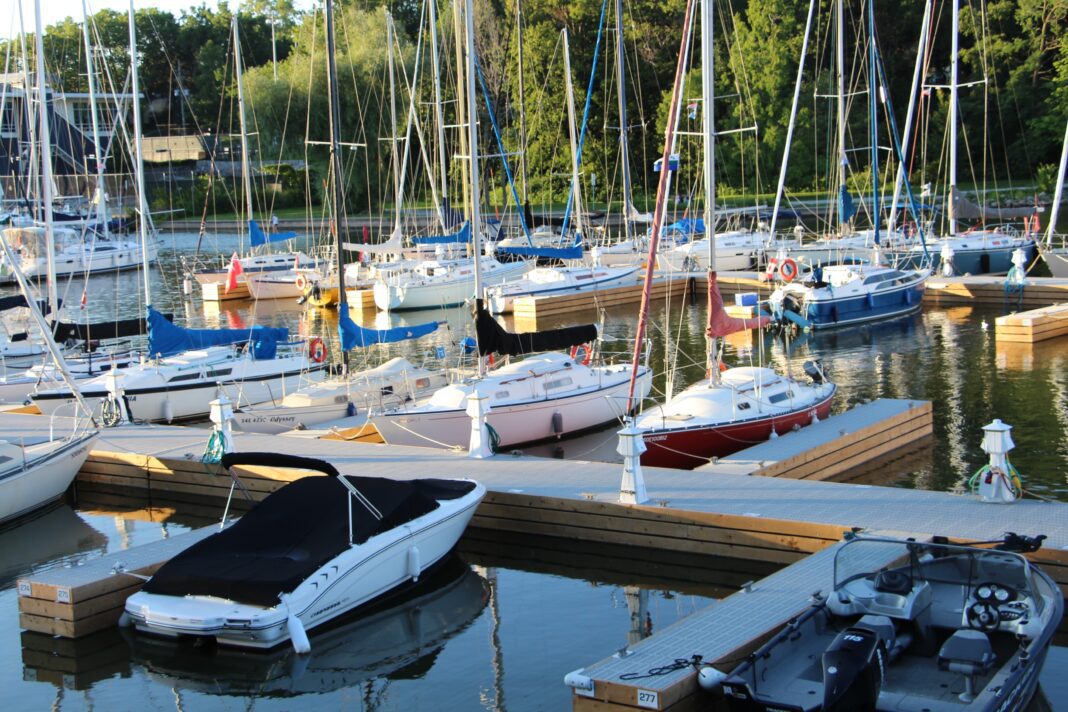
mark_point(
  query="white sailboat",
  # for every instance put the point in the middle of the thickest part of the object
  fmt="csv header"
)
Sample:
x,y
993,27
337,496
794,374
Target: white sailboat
x,y
1056,255
185,368
539,397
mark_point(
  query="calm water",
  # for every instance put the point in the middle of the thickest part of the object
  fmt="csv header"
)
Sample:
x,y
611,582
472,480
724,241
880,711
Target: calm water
x,y
503,631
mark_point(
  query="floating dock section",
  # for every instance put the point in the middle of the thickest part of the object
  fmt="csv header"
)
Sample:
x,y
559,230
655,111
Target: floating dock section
x,y
216,292
991,289
833,447
1034,325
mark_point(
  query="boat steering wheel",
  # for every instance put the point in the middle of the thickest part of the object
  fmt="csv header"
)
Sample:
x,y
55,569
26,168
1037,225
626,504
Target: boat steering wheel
x,y
983,613
983,616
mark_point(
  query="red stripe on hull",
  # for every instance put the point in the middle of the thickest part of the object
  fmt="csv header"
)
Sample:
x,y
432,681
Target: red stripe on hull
x,y
689,448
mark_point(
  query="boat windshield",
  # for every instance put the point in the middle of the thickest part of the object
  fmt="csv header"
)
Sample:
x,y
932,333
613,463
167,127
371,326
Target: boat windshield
x,y
935,563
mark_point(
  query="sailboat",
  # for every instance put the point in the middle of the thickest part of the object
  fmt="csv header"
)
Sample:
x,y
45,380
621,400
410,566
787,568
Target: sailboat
x,y
185,368
1056,256
542,396
265,262
393,383
730,408
847,294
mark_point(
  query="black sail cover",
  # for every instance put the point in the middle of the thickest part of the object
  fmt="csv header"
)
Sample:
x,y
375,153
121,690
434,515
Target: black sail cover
x,y
492,338
123,328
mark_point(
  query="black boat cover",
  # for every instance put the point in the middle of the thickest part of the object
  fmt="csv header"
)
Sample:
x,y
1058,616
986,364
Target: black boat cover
x,y
291,534
492,338
123,328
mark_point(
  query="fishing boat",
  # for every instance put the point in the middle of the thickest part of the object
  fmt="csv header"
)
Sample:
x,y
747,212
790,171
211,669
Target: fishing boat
x,y
944,627
545,281
398,634
307,554
841,295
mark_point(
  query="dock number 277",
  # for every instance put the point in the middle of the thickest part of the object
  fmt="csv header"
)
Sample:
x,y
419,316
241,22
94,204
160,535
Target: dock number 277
x,y
648,699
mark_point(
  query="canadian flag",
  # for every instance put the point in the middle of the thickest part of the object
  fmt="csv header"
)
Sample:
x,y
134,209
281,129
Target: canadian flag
x,y
234,271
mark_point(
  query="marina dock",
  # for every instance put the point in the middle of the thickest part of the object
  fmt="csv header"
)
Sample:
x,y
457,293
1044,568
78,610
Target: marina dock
x,y
991,289
1033,325
773,521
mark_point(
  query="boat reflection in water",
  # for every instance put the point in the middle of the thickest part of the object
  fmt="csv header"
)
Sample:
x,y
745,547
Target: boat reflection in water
x,y
399,638
56,535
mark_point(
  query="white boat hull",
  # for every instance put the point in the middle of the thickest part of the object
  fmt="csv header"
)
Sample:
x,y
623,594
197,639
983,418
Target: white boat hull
x,y
518,423
50,468
398,294
273,285
502,297
357,576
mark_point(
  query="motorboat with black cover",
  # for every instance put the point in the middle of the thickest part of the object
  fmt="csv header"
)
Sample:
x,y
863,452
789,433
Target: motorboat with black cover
x,y
944,627
308,553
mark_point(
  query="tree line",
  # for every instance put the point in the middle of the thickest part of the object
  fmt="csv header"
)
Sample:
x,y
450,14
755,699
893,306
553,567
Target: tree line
x,y
1012,57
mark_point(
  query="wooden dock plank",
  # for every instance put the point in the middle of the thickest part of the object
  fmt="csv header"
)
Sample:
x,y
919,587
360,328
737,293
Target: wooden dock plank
x,y
1033,325
990,289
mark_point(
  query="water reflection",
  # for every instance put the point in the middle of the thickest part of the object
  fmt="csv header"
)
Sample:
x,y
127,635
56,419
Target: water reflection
x,y
48,539
398,640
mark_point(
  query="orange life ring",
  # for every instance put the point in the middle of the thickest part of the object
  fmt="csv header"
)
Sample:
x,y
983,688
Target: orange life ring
x,y
316,350
587,351
788,270
302,282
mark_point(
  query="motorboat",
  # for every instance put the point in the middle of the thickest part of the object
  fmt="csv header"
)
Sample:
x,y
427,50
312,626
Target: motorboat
x,y
546,281
393,383
840,295
741,407
36,473
191,368
380,641
307,554
943,627
542,396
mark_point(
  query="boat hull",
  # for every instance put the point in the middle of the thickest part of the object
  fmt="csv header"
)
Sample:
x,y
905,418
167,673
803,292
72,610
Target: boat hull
x,y
400,295
502,301
991,256
43,479
687,448
516,424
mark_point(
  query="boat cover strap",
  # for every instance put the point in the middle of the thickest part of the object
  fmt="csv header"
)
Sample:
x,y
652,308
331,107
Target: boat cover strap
x,y
292,533
492,338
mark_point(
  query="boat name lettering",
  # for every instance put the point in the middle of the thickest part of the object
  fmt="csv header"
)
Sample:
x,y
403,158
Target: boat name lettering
x,y
324,609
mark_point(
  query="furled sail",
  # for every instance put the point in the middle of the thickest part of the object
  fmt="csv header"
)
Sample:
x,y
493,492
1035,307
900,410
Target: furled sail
x,y
719,323
461,235
167,339
492,338
355,336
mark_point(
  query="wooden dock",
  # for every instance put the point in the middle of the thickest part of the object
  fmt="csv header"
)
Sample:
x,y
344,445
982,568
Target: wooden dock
x,y
833,447
680,286
990,289
761,521
216,292
1033,325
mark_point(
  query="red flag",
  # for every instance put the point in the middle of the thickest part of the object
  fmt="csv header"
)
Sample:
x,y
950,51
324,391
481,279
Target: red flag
x,y
85,298
234,271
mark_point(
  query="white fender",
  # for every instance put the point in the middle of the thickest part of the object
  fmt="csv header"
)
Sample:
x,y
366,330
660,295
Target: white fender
x,y
413,563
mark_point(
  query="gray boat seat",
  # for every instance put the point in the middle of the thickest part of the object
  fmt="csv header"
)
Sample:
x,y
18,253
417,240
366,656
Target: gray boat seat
x,y
968,652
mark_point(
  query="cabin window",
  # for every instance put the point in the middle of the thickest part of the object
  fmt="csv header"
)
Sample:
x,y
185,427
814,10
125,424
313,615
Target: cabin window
x,y
219,372
743,405
778,397
422,383
184,377
500,395
558,383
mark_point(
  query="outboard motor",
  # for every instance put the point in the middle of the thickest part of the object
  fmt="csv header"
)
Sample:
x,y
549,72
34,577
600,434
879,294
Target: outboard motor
x,y
853,671
815,371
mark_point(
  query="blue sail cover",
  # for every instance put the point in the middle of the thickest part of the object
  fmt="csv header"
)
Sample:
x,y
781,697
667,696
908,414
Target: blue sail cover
x,y
167,339
846,208
687,226
461,235
257,237
355,336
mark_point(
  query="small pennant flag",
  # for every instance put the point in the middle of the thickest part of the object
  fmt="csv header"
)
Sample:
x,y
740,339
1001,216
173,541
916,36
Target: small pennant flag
x,y
85,299
234,271
692,110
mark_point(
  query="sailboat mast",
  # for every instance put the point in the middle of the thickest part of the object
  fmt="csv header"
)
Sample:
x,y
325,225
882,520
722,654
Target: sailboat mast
x,y
708,90
624,144
46,164
438,118
397,198
576,185
1059,192
246,164
30,174
139,162
522,103
335,162
101,205
917,77
472,134
953,91
461,106
873,108
843,161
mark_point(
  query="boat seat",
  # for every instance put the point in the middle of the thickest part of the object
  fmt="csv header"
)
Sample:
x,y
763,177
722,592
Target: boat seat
x,y
969,653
